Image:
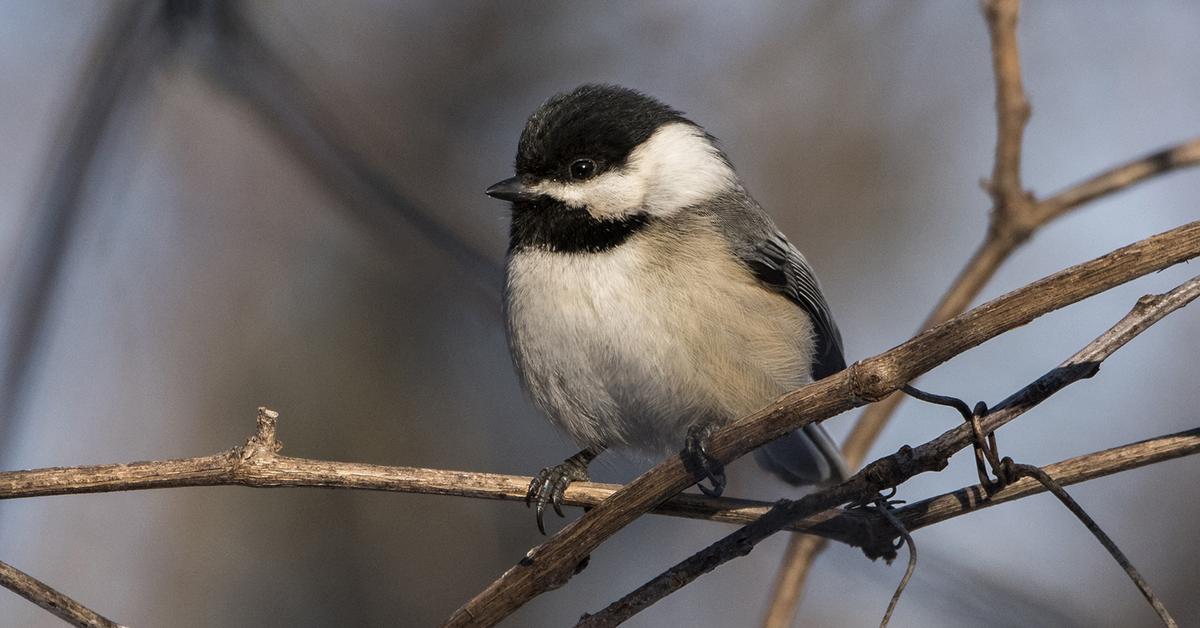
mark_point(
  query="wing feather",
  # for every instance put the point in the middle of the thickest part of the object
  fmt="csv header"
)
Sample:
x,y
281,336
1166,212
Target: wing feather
x,y
780,267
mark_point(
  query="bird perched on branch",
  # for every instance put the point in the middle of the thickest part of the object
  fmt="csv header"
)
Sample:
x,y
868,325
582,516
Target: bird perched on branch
x,y
649,299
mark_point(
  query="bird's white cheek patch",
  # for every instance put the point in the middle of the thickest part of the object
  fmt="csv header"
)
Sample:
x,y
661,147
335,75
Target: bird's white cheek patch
x,y
678,166
613,194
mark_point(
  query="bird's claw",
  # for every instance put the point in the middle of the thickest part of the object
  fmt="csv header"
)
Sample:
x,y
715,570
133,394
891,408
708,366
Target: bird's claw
x,y
697,459
549,485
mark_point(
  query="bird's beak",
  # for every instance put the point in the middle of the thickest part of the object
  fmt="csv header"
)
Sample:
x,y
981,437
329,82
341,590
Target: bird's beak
x,y
511,190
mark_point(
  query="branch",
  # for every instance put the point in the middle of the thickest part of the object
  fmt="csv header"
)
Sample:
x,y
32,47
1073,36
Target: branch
x,y
259,464
994,251
553,563
865,529
1012,202
893,470
272,470
46,597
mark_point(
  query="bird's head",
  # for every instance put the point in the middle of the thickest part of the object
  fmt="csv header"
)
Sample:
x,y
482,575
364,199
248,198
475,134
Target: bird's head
x,y
611,154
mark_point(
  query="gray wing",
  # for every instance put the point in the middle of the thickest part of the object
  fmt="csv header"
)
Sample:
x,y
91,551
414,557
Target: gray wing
x,y
779,266
807,455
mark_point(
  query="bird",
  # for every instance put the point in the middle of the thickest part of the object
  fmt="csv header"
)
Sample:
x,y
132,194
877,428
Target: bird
x,y
649,300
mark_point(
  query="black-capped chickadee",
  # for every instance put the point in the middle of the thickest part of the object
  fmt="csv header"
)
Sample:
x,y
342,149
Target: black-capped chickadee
x,y
649,299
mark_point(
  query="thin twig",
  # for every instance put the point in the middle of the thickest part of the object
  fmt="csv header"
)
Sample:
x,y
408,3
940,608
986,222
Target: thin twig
x,y
863,528
1183,155
885,512
1090,524
1012,203
891,471
51,600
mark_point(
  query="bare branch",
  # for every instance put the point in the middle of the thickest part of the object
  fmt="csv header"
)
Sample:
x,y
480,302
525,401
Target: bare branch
x,y
48,598
867,530
1115,179
893,470
1015,217
259,464
553,563
994,251
1012,112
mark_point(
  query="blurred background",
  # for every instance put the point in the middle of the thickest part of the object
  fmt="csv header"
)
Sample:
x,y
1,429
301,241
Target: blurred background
x,y
206,207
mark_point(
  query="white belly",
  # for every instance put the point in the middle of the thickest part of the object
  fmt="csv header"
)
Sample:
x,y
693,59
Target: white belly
x,y
624,348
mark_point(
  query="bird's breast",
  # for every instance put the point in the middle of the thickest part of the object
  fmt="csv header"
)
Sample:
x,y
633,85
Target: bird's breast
x,y
631,345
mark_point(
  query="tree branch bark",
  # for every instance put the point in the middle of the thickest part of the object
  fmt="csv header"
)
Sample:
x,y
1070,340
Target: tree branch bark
x,y
257,465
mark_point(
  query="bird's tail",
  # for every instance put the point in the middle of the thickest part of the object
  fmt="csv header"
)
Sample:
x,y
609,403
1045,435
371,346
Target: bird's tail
x,y
803,457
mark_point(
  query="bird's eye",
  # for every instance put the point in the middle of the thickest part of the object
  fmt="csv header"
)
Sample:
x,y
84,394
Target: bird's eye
x,y
583,169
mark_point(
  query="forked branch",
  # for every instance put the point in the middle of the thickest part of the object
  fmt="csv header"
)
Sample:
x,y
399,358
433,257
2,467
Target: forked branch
x,y
1016,215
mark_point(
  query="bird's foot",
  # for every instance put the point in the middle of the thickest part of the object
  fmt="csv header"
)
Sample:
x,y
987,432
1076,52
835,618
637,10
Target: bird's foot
x,y
549,485
697,459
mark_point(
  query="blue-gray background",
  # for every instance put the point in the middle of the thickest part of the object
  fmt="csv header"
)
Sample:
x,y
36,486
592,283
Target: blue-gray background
x,y
211,272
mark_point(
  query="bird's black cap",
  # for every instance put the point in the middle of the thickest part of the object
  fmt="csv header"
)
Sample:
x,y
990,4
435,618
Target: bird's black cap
x,y
599,122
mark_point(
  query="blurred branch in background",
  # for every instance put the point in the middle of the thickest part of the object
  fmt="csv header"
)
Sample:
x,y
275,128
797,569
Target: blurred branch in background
x,y
126,52
893,470
237,59
136,40
1016,215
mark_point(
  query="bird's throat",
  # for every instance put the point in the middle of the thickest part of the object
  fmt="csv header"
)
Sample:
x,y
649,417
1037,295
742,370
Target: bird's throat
x,y
550,225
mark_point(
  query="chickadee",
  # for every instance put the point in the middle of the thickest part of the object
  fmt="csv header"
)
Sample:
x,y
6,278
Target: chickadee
x,y
648,298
